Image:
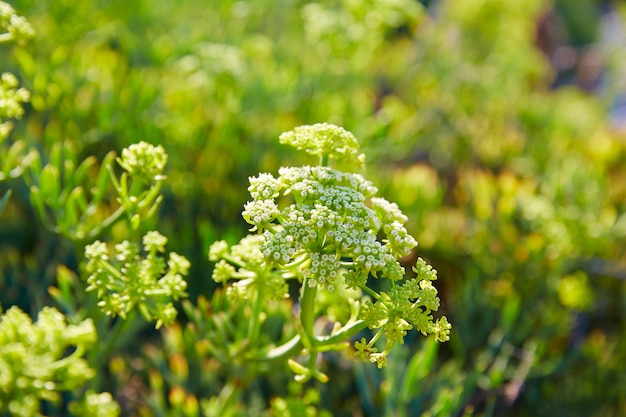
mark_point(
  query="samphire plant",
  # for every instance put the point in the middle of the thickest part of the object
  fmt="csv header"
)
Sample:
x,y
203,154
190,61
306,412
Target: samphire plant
x,y
321,233
319,237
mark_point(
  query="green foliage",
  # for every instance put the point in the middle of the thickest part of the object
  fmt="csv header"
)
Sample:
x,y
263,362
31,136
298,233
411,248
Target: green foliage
x,y
67,202
13,28
152,116
35,364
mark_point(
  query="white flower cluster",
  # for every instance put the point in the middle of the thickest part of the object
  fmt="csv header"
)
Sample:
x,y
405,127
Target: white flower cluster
x,y
322,270
144,159
329,228
260,212
264,187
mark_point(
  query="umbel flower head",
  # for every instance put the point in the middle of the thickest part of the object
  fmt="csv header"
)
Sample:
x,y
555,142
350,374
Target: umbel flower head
x,y
127,280
145,160
328,228
324,140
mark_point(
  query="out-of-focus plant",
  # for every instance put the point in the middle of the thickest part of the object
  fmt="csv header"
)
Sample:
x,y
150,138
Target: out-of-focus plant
x,y
517,186
39,361
513,188
69,204
13,28
77,200
126,280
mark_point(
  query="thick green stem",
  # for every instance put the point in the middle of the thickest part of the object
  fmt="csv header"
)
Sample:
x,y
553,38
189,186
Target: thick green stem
x,y
307,313
255,318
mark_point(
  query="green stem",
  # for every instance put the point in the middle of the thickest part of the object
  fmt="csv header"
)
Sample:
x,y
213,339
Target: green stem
x,y
114,335
239,264
307,313
228,396
6,37
255,319
110,339
301,261
342,335
150,196
377,336
135,186
282,352
78,352
108,222
114,271
372,293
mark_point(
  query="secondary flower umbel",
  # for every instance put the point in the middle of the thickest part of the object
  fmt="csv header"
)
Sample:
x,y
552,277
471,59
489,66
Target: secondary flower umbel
x,y
128,280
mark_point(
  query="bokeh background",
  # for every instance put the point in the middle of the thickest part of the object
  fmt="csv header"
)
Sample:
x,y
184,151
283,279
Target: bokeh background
x,y
498,126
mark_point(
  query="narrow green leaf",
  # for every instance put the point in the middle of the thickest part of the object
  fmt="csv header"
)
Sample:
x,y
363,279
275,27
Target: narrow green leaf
x,y
135,222
69,168
4,200
419,367
36,200
145,311
66,280
73,208
14,158
148,197
63,294
154,207
56,155
122,190
50,183
511,311
33,173
102,181
81,172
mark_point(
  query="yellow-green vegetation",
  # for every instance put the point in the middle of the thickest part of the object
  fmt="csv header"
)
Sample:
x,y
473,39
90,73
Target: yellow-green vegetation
x,y
228,131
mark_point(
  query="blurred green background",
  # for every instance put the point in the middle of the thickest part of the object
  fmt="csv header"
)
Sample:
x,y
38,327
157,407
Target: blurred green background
x,y
496,125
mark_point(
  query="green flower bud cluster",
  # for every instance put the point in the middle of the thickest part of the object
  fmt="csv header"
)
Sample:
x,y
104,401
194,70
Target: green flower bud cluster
x,y
127,280
404,307
144,160
139,187
11,100
40,360
16,27
96,405
324,140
